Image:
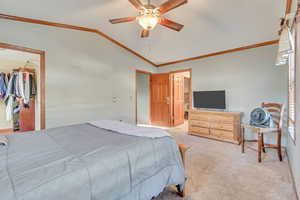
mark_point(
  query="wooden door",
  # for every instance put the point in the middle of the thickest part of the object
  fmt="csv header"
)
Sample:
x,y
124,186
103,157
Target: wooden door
x,y
27,117
160,99
178,99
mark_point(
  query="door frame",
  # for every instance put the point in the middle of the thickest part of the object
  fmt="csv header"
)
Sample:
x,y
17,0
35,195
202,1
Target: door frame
x,y
171,91
136,109
42,76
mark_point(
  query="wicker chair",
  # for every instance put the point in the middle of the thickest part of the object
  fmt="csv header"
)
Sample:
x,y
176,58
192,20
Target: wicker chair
x,y
276,111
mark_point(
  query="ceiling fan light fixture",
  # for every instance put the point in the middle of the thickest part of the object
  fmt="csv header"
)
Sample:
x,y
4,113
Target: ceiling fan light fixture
x,y
148,22
150,15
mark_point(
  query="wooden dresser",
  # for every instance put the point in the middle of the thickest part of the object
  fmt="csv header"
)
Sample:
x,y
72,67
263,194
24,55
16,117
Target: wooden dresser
x,y
225,126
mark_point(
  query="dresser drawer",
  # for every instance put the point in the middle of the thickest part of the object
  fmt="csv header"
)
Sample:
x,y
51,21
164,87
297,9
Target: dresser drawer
x,y
222,126
203,124
222,134
199,130
222,119
198,116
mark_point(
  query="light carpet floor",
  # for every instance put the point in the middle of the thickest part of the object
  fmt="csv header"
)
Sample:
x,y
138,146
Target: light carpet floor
x,y
219,171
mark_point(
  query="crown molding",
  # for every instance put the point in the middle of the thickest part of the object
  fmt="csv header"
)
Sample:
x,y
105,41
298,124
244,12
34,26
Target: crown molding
x,y
220,53
24,49
79,28
100,33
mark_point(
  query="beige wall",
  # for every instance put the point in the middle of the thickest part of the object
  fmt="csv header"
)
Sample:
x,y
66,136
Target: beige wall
x,y
249,77
87,76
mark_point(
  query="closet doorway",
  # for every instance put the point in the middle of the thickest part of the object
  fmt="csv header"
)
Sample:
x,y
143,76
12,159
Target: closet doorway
x,y
22,89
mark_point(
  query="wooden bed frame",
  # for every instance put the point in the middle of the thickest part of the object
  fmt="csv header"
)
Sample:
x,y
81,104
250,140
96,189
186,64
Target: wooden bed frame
x,y
183,149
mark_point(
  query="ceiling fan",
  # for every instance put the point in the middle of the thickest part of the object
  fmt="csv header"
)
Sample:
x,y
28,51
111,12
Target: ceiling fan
x,y
150,15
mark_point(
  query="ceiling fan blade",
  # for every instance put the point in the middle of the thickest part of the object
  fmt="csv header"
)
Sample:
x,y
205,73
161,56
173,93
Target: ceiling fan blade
x,y
122,20
136,3
145,33
170,5
170,24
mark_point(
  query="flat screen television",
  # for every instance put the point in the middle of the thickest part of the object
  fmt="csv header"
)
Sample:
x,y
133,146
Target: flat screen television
x,y
209,99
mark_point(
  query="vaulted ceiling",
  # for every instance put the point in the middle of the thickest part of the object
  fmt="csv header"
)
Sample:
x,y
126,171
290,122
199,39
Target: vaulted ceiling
x,y
210,25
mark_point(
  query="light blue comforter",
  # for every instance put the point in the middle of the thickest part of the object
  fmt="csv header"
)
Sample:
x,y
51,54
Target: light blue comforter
x,y
83,162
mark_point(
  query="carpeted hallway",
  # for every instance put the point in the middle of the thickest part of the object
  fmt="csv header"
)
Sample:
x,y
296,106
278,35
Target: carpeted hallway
x,y
218,171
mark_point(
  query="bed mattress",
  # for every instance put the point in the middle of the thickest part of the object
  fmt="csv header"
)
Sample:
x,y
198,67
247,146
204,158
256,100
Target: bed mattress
x,y
82,162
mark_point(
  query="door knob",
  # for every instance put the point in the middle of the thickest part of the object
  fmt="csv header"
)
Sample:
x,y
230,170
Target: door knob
x,y
168,100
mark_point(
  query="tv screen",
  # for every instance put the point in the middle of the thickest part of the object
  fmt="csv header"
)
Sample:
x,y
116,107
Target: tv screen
x,y
210,99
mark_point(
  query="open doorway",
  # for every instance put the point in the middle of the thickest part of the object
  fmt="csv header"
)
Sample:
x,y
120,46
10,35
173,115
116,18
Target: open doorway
x,y
170,98
22,90
143,98
163,99
181,93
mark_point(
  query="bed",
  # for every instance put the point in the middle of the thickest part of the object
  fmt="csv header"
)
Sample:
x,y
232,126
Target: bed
x,y
85,161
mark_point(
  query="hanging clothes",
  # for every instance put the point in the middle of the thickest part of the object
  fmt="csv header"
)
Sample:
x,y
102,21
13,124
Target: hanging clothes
x,y
11,85
16,116
10,96
3,86
9,108
33,91
16,88
10,91
26,88
21,88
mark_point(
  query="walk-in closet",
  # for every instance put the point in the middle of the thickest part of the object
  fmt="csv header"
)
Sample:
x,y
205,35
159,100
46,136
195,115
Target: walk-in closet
x,y
19,91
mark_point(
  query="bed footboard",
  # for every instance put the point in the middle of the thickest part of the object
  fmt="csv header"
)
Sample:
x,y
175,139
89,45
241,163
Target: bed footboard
x,y
183,149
